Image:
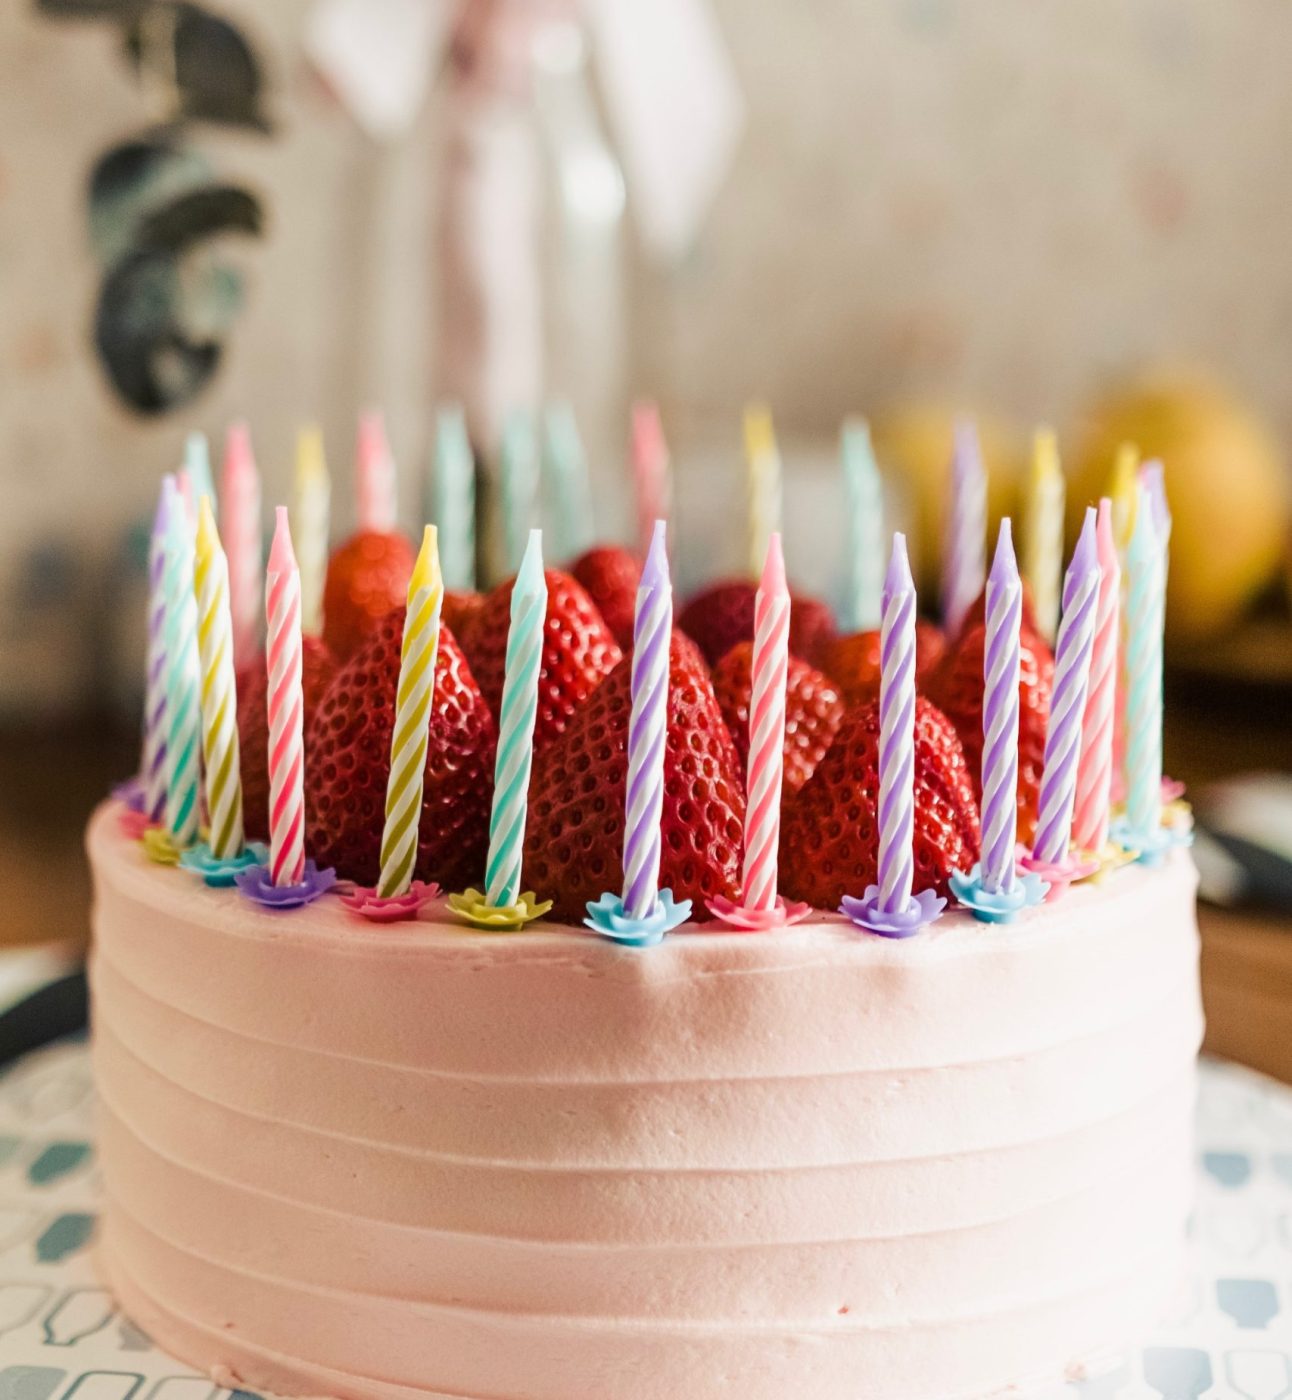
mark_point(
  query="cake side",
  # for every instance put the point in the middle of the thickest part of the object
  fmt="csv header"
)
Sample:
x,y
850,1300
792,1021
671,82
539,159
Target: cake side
x,y
359,1161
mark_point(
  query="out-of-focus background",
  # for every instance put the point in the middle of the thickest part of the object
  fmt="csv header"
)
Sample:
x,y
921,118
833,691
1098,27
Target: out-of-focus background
x,y
284,213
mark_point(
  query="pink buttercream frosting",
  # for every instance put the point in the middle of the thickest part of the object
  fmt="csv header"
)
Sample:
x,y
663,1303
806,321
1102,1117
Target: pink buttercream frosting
x,y
415,1160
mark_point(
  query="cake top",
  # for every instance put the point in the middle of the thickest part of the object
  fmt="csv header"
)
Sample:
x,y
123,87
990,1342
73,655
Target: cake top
x,y
559,749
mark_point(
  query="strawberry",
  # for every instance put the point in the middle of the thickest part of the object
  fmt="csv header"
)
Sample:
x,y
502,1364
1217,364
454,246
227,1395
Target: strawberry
x,y
459,613
829,833
366,577
813,712
723,614
317,669
348,739
574,842
956,686
578,651
852,662
611,574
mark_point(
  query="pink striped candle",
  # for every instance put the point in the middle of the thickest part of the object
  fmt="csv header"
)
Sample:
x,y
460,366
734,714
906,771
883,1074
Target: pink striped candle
x,y
770,668
286,711
243,545
374,475
964,564
1095,769
650,466
1001,665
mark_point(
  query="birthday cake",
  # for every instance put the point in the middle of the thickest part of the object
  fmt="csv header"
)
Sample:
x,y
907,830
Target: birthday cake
x,y
603,1024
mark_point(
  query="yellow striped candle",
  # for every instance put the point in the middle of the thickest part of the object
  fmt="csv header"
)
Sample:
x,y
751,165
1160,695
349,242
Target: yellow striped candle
x,y
219,696
1043,538
1123,491
763,465
408,742
313,505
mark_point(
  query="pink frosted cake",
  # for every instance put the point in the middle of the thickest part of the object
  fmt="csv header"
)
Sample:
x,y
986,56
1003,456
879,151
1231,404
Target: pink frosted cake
x,y
839,1041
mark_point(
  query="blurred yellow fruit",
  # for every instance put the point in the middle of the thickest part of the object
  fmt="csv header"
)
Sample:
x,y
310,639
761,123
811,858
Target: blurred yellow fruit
x,y
1225,480
913,447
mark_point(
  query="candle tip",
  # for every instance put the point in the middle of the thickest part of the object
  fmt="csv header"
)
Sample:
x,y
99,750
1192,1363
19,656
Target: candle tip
x,y
167,500
282,557
207,535
1105,537
655,570
774,567
529,577
1085,557
1144,536
1004,566
899,566
1045,453
1152,478
310,461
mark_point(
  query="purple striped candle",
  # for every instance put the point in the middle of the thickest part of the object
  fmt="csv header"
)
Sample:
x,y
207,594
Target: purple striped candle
x,y
154,753
1068,698
648,731
1001,665
897,734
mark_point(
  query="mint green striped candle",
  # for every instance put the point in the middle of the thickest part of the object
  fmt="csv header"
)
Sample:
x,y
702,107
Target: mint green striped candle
x,y
1142,722
567,490
183,681
516,727
453,498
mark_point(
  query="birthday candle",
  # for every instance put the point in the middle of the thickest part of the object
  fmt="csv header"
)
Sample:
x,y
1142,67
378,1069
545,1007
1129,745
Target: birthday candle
x,y
567,493
1001,665
408,740
897,734
453,498
763,467
197,464
516,727
1043,543
1145,608
1152,481
1068,698
1123,491
964,558
650,468
240,511
184,486
518,472
219,695
648,731
769,667
864,530
374,475
286,710
154,754
183,721
1095,769
313,507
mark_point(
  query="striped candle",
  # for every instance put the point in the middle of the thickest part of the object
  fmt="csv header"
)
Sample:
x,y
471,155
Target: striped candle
x,y
313,509
769,670
1145,612
1152,480
219,694
897,734
648,731
286,710
243,546
1068,698
516,728
518,477
1095,769
375,500
1123,491
764,484
863,530
197,463
1043,541
1001,666
567,494
183,683
964,563
153,772
453,498
409,738
650,469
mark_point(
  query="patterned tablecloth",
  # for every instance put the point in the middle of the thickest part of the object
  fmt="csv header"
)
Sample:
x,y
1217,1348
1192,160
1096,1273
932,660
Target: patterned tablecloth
x,y
1230,1333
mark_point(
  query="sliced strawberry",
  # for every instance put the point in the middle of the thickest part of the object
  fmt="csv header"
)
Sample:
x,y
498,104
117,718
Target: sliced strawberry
x,y
813,712
611,574
852,662
348,740
367,576
318,666
574,842
956,687
578,651
723,615
829,832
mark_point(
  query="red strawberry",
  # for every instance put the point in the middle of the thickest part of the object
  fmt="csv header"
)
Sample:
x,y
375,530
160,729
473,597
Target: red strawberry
x,y
611,574
366,577
578,651
461,608
956,686
574,843
813,712
318,666
852,662
723,614
829,835
348,739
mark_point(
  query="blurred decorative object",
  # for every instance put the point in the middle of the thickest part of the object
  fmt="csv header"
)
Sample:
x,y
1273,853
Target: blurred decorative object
x,y
1226,479
157,213
1245,848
